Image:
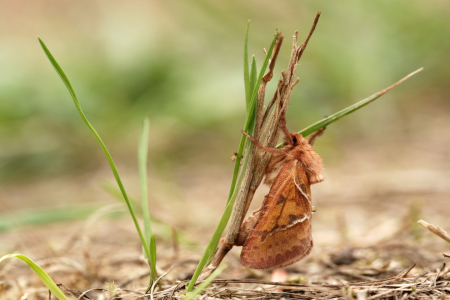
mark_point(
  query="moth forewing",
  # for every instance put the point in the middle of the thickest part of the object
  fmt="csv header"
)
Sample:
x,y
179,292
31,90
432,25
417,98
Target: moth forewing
x,y
282,234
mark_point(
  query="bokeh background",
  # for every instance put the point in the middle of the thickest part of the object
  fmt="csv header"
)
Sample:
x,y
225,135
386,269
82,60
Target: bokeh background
x,y
180,64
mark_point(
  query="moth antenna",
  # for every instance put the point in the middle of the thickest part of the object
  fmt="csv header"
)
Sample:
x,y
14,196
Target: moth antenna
x,y
285,130
261,147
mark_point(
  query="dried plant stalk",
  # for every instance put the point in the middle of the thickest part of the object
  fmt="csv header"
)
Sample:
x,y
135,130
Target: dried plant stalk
x,y
268,137
237,215
437,230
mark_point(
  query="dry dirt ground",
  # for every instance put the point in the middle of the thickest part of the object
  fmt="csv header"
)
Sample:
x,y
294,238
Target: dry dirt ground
x,y
365,232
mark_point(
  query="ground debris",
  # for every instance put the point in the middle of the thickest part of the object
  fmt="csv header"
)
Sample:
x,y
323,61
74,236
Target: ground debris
x,y
372,273
404,285
398,267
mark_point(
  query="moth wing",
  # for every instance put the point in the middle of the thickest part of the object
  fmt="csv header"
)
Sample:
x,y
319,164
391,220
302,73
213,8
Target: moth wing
x,y
282,233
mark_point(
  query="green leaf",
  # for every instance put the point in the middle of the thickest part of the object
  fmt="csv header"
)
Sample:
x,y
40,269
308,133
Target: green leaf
x,y
336,116
212,245
142,153
213,242
352,108
250,118
149,237
49,283
253,74
258,82
202,286
153,257
97,136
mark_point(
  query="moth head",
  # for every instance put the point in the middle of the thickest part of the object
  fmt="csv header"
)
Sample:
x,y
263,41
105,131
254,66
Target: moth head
x,y
297,139
293,139
311,161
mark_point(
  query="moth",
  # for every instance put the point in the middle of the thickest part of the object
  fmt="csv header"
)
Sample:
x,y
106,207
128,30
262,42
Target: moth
x,y
279,233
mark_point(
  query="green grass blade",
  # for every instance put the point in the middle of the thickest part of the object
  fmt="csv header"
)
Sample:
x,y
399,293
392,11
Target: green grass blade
x,y
253,73
237,165
97,136
143,150
250,118
202,286
352,108
153,257
258,82
214,241
229,208
49,283
212,245
246,76
340,114
115,192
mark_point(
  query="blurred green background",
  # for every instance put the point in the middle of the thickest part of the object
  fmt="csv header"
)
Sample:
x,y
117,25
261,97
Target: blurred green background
x,y
180,64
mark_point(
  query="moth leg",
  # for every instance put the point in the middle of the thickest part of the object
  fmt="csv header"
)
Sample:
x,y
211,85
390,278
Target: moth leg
x,y
266,149
284,128
316,134
246,227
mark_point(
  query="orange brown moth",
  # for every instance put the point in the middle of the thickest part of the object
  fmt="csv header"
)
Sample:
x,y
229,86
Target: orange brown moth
x,y
279,233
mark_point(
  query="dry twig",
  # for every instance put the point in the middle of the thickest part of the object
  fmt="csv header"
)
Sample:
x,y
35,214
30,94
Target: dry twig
x,y
436,229
268,136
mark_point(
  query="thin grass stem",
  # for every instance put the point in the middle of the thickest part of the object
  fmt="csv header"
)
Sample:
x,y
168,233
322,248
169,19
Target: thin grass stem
x,y
153,257
352,108
67,83
142,153
202,286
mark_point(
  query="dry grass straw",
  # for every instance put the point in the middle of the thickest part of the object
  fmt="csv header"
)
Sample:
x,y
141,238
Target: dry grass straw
x,y
404,285
325,275
436,229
